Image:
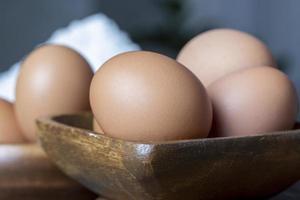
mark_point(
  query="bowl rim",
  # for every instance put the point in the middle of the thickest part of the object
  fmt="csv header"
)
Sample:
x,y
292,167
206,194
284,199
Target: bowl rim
x,y
53,121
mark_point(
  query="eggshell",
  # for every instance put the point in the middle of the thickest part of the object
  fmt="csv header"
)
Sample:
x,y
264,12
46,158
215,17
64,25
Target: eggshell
x,y
96,127
53,80
9,129
146,96
219,52
253,101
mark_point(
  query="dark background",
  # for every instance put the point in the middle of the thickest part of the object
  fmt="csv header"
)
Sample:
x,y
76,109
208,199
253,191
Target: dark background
x,y
159,25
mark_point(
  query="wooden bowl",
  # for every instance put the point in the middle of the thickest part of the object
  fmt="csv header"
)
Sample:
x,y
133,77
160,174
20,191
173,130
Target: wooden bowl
x,y
27,174
212,168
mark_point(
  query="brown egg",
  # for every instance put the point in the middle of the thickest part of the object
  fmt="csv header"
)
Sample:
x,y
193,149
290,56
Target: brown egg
x,y
9,128
146,96
219,52
96,127
253,101
53,80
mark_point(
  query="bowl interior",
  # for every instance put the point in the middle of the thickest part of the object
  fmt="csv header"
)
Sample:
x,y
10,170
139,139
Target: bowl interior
x,y
212,168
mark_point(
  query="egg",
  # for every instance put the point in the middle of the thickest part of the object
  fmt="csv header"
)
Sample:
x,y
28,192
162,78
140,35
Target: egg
x,y
216,53
145,96
96,127
9,129
253,101
53,80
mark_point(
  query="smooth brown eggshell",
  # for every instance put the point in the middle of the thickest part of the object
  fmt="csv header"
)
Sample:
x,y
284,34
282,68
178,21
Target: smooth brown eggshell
x,y
53,80
96,127
216,53
145,96
9,129
253,101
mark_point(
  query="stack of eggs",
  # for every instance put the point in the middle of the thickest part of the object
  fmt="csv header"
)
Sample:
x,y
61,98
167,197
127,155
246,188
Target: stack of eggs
x,y
223,83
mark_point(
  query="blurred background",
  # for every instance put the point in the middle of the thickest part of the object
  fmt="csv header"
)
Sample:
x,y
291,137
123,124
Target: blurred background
x,y
159,25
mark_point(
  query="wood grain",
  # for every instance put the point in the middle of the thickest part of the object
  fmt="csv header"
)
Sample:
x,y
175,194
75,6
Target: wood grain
x,y
27,173
208,169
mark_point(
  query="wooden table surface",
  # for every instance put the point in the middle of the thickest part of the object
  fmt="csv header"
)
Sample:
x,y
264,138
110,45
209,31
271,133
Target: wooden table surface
x,y
27,173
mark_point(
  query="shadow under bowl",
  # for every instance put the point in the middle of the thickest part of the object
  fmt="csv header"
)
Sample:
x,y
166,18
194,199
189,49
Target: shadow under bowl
x,y
212,168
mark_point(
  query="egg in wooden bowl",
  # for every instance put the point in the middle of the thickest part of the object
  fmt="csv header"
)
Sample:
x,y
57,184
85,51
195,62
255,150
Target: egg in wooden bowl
x,y
210,168
155,115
